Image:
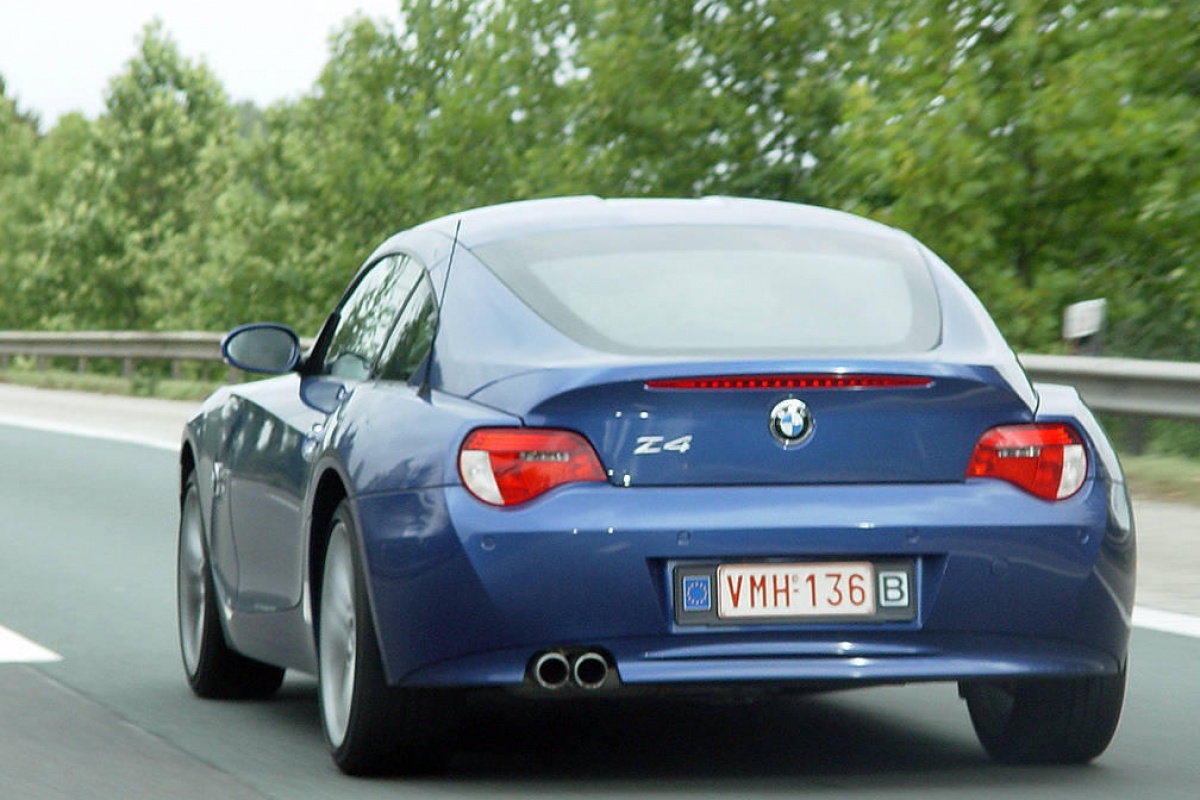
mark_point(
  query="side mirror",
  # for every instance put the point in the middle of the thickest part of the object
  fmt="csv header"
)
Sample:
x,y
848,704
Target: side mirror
x,y
264,347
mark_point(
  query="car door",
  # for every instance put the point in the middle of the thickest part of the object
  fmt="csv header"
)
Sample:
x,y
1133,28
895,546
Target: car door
x,y
282,425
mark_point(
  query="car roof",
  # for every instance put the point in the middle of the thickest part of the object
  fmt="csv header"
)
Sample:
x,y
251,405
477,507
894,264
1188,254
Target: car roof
x,y
518,341
495,223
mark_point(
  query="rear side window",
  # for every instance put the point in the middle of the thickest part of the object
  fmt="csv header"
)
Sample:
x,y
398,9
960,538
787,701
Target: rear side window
x,y
733,289
366,317
412,336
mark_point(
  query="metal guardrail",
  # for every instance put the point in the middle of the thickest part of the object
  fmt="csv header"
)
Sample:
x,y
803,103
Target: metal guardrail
x,y
1124,385
128,346
1116,385
181,346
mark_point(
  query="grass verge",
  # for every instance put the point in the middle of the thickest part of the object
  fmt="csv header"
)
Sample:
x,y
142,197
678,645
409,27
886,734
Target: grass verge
x,y
138,386
1171,478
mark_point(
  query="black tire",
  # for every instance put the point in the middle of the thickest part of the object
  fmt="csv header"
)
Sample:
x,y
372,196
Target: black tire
x,y
371,728
213,669
1056,721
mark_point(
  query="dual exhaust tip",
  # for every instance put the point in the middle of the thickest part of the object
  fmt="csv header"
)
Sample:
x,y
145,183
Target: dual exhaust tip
x,y
555,669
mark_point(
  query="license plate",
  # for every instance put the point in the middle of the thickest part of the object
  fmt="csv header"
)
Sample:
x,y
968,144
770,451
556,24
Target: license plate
x,y
762,591
774,592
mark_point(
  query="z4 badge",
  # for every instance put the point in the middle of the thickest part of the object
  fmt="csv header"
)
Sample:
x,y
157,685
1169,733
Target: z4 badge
x,y
651,445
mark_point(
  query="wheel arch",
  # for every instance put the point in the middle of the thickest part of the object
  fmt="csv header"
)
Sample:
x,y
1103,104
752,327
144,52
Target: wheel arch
x,y
329,493
187,465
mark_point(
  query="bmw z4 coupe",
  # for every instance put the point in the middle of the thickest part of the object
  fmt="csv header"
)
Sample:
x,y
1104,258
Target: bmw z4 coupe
x,y
587,446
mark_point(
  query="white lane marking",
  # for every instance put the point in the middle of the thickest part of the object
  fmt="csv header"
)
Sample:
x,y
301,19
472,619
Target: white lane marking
x,y
15,648
1166,621
89,433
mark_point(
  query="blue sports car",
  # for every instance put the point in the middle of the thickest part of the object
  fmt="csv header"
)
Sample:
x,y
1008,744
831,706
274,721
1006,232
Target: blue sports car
x,y
600,446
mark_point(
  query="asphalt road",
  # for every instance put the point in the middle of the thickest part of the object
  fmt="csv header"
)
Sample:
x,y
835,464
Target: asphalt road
x,y
87,572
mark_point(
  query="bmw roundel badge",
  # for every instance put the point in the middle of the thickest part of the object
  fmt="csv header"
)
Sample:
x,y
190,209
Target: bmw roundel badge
x,y
791,422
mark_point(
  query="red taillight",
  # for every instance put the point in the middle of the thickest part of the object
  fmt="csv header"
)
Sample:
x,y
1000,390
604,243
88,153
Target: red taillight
x,y
1045,460
506,466
803,381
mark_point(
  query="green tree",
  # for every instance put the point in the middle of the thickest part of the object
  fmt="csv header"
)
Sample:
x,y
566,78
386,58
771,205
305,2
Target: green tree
x,y
18,205
452,106
29,207
125,206
1046,148
1022,141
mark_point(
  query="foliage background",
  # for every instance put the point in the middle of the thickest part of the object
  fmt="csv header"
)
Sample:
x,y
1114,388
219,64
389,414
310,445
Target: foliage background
x,y
1048,150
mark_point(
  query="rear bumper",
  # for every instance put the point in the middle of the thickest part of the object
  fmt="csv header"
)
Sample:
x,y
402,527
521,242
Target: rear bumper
x,y
1005,585
812,662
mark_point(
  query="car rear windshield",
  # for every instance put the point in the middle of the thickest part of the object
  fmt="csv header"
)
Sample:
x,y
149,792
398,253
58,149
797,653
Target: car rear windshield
x,y
724,289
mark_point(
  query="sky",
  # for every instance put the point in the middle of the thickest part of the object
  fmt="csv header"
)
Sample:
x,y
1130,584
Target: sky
x,y
58,56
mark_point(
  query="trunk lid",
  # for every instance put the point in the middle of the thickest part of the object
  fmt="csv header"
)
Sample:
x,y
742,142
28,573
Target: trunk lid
x,y
697,424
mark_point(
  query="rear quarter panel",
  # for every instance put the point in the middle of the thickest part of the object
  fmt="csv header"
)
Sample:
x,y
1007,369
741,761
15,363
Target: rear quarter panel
x,y
1116,563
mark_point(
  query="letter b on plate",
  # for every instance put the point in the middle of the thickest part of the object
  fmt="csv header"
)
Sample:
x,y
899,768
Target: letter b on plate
x,y
893,589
